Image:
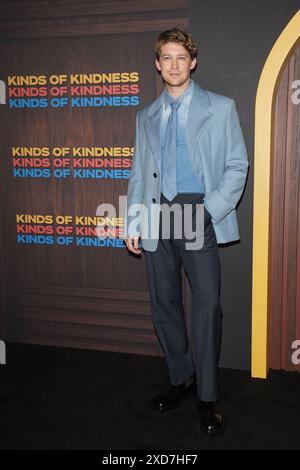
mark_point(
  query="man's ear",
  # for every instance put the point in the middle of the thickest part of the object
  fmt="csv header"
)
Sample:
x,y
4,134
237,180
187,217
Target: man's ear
x,y
193,64
157,65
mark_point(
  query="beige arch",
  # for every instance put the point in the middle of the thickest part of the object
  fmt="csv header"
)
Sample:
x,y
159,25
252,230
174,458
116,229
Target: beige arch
x,y
262,164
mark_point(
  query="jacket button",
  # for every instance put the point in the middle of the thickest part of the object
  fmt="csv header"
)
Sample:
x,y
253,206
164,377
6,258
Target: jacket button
x,y
155,175
153,200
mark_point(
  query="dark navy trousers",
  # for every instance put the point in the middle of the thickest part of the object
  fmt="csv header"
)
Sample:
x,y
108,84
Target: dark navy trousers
x,y
202,268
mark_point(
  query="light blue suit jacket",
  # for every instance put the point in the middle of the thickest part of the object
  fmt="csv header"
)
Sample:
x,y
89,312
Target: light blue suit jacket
x,y
218,154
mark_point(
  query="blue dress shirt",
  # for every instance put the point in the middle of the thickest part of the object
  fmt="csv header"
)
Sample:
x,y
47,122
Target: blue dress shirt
x,y
187,181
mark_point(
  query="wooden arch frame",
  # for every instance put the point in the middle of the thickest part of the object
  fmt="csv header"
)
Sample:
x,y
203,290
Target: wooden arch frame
x,y
262,165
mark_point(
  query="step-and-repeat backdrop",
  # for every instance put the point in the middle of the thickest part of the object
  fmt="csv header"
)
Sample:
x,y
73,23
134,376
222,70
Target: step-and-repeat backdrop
x,y
68,128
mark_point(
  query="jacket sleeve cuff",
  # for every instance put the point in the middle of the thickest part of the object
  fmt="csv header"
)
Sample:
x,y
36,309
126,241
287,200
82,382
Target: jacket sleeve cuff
x,y
217,206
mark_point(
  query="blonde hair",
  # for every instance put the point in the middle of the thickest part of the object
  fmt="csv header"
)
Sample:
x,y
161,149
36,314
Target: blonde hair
x,y
176,35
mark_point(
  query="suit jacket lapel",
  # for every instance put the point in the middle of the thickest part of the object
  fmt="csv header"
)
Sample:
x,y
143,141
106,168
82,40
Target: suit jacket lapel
x,y
198,117
152,128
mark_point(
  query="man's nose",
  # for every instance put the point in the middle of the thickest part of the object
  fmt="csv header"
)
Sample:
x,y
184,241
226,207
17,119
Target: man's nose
x,y
174,64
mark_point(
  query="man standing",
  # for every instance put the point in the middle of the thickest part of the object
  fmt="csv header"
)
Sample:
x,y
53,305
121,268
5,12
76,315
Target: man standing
x,y
189,150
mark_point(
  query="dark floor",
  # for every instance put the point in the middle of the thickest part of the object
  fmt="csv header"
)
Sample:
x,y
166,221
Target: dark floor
x,y
54,398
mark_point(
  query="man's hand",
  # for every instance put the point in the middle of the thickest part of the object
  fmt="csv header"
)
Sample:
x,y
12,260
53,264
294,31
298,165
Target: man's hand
x,y
132,244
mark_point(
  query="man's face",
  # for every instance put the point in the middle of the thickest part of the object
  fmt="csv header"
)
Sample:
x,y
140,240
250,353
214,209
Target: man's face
x,y
175,64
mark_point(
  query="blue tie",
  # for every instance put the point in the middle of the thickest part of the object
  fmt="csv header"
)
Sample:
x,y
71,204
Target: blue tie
x,y
169,184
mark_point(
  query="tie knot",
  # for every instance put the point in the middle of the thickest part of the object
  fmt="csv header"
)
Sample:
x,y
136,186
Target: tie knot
x,y
174,105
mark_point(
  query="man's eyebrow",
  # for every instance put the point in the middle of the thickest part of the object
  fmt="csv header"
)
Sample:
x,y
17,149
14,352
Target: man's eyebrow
x,y
175,55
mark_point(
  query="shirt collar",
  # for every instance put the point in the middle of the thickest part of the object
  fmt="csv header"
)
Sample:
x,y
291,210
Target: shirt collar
x,y
184,98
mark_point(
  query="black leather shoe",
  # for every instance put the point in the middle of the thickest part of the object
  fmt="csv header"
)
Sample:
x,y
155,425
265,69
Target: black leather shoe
x,y
174,396
211,418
